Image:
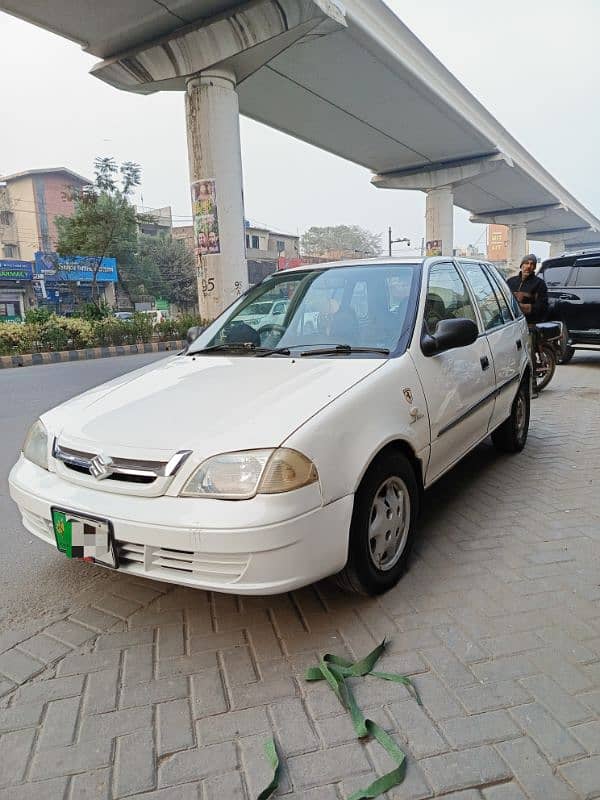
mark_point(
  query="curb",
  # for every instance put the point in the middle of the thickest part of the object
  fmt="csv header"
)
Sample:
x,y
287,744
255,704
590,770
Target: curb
x,y
33,359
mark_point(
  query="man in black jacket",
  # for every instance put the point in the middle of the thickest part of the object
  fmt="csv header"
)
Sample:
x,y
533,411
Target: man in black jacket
x,y
530,291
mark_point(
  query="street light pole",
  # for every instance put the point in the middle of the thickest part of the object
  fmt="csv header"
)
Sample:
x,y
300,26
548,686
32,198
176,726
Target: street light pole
x,y
394,241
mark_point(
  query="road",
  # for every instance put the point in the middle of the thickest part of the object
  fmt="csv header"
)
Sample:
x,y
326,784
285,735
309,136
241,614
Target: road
x,y
143,686
35,578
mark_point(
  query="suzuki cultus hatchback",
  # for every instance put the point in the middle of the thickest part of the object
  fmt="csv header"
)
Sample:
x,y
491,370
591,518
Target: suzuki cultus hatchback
x,y
268,456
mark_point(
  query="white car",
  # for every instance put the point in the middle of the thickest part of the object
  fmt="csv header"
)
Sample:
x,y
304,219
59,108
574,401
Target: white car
x,y
255,464
265,312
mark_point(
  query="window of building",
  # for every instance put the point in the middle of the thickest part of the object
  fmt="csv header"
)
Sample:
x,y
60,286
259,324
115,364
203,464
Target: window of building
x,y
6,217
11,251
280,246
247,241
255,242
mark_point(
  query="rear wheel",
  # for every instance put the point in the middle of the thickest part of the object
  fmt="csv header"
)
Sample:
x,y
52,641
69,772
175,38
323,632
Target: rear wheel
x,y
545,365
383,526
566,351
511,436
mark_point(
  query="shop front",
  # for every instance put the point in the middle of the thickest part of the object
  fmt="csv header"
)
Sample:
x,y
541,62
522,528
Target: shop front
x,y
69,280
16,289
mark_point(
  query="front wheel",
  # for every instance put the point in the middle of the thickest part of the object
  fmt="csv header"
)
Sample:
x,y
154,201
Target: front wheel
x,y
511,436
545,365
383,526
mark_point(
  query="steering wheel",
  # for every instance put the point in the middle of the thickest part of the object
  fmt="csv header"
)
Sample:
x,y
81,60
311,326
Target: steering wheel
x,y
267,330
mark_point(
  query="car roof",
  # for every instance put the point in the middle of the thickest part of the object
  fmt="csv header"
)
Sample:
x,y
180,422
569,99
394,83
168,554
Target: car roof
x,y
379,261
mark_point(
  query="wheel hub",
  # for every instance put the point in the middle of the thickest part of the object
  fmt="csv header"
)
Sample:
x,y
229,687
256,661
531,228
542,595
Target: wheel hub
x,y
389,523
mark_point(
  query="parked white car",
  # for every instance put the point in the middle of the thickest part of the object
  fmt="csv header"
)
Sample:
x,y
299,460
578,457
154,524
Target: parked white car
x,y
255,463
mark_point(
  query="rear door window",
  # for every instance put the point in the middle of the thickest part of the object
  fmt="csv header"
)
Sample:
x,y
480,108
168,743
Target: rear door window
x,y
500,297
556,276
447,297
588,275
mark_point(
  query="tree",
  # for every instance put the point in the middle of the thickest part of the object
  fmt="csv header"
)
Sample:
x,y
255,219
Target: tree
x,y
349,239
104,223
166,268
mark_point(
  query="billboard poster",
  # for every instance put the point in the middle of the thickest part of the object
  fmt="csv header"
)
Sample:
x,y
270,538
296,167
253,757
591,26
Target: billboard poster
x,y
434,247
15,270
75,268
206,217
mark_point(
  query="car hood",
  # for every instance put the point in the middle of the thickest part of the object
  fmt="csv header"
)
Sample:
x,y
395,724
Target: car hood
x,y
209,404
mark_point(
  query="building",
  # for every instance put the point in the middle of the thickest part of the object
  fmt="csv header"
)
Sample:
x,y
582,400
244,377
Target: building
x,y
265,248
497,243
16,289
184,233
470,251
30,201
155,221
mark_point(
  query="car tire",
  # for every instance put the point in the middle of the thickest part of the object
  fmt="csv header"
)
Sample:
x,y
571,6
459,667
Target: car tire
x,y
566,355
384,521
511,436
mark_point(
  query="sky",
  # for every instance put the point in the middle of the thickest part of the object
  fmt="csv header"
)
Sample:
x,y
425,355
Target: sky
x,y
532,63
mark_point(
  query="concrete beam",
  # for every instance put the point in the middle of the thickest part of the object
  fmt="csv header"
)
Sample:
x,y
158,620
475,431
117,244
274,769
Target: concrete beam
x,y
241,41
443,173
545,236
516,216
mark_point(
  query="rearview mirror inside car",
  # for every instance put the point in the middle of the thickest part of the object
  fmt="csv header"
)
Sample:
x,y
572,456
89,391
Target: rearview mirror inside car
x,y
193,333
449,333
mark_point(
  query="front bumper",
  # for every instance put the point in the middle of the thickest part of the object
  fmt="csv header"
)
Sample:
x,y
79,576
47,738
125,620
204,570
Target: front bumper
x,y
267,545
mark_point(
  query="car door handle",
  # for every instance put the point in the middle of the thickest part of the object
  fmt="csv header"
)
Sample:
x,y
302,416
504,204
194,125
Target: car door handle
x,y
485,362
568,297
519,344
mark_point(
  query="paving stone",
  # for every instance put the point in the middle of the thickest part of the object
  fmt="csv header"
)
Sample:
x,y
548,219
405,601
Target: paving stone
x,y
54,789
70,633
118,641
512,643
117,606
171,641
485,728
505,667
452,671
340,730
81,757
141,592
413,787
22,715
208,694
151,618
321,793
228,786
6,687
91,785
584,776
197,763
492,696
18,666
89,662
464,648
532,771
159,691
589,736
94,619
60,723
115,723
440,702
464,769
261,693
186,791
138,664
134,770
186,665
43,648
562,705
52,689
416,728
552,739
553,664
257,769
504,791
101,691
14,755
293,727
200,643
230,726
327,766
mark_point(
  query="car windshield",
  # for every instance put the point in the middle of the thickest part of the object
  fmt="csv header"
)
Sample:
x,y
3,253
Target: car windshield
x,y
362,308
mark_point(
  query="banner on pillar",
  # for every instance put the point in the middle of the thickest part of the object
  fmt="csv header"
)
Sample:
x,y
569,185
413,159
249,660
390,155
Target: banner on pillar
x,y
206,217
434,247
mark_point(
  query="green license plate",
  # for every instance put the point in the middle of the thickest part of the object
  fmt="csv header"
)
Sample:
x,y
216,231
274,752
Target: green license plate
x,y
83,537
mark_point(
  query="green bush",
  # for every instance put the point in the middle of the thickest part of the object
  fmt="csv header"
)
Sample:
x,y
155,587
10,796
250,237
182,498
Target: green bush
x,y
44,332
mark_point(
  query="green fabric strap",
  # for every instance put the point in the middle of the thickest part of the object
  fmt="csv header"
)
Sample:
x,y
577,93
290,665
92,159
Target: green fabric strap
x,y
335,671
273,759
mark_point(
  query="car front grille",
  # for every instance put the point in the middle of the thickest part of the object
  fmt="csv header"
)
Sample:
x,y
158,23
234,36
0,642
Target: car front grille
x,y
211,567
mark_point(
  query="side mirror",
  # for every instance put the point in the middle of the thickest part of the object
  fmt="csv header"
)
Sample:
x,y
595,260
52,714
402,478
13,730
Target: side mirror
x,y
450,333
193,333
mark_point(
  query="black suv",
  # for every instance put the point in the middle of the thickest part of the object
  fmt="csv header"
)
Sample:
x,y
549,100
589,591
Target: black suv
x,y
573,282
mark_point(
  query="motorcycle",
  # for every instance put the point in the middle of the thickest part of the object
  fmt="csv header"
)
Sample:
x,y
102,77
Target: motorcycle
x,y
548,339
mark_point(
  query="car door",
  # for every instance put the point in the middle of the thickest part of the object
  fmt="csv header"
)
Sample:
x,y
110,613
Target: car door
x,y
504,334
563,303
459,384
587,289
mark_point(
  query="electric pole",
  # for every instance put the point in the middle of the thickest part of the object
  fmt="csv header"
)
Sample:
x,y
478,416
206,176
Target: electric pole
x,y
395,241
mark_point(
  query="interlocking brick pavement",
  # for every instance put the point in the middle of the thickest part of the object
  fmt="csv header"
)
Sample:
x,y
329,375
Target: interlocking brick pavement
x,y
163,693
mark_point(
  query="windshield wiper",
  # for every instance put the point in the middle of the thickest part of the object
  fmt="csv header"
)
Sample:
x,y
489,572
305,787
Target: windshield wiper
x,y
344,349
284,351
239,347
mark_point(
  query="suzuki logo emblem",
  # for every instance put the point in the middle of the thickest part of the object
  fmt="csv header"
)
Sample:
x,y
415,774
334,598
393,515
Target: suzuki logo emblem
x,y
101,467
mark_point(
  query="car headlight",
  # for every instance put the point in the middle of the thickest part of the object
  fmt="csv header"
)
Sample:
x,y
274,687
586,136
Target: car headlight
x,y
239,476
35,446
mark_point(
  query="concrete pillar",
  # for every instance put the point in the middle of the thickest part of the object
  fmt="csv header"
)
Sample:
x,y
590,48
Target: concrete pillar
x,y
557,246
517,247
439,219
213,136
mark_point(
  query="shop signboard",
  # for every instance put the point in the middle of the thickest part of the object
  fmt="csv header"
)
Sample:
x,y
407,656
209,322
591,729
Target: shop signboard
x,y
15,270
56,268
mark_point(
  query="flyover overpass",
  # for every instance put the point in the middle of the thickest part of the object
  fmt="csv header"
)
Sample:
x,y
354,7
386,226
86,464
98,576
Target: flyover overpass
x,y
350,79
